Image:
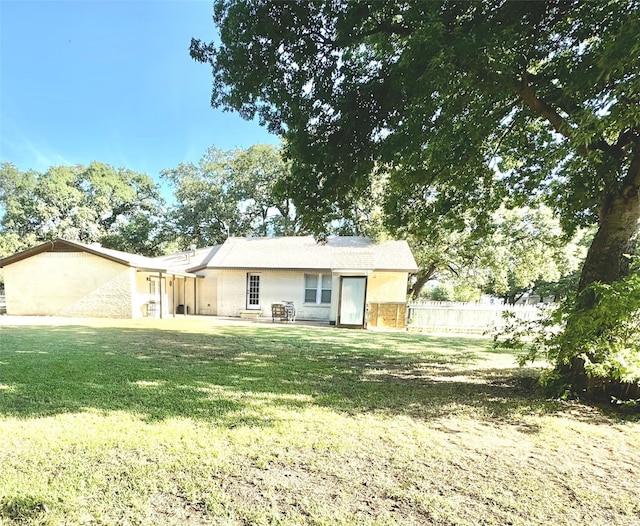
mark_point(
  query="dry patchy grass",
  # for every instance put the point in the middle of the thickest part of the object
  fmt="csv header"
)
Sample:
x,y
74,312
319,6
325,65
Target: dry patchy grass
x,y
188,421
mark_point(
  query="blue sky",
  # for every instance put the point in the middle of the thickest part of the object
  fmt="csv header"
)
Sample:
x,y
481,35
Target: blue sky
x,y
110,81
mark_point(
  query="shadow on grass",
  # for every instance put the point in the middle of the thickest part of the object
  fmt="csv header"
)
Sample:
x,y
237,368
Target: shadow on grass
x,y
229,375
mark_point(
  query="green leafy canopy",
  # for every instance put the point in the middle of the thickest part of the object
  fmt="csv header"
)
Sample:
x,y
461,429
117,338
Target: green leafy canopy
x,y
456,106
235,192
94,203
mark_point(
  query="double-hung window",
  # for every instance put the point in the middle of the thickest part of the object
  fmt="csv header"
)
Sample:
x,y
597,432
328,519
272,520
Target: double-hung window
x,y
317,288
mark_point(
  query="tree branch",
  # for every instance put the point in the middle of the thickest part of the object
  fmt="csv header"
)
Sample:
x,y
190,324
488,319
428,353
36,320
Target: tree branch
x,y
388,29
528,95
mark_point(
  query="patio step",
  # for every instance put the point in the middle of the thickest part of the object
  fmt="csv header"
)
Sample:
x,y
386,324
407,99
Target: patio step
x,y
251,314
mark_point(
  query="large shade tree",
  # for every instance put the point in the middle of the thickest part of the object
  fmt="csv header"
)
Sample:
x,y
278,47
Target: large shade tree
x,y
258,175
93,203
460,104
231,192
517,252
526,247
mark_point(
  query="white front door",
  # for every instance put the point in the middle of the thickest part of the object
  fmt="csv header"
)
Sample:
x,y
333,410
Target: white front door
x,y
253,291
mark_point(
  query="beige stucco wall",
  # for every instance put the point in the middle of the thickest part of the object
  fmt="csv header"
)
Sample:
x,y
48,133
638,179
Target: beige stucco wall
x,y
387,287
69,284
386,299
208,293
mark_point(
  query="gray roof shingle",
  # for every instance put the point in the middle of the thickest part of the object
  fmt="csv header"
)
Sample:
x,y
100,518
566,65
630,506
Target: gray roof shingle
x,y
304,253
284,253
124,258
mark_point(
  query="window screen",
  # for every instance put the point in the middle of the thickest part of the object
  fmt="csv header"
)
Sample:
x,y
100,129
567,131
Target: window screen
x,y
310,288
317,288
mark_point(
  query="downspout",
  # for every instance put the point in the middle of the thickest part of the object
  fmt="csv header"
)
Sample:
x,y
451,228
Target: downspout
x,y
184,294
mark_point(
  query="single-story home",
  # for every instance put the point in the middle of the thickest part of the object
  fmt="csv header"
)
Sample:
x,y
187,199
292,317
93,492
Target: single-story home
x,y
347,281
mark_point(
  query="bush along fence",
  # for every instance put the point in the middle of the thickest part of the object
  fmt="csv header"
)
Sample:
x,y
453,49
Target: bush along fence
x,y
448,316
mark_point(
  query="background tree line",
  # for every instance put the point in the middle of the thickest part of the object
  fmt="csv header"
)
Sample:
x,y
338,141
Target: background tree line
x,y
244,193
227,193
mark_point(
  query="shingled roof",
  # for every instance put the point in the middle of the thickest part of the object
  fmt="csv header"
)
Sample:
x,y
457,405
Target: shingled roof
x,y
124,258
304,253
281,253
189,261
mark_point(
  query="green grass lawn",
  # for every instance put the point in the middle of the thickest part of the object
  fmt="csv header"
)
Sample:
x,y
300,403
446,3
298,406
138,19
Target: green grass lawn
x,y
187,421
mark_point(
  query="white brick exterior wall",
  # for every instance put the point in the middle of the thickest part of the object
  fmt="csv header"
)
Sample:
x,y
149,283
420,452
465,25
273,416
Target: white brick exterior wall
x,y
276,286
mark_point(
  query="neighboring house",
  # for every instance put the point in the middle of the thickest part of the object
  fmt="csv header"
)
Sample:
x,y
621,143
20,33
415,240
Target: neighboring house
x,y
349,281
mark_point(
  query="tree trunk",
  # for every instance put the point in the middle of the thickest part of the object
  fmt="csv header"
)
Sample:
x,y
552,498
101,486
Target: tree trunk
x,y
608,256
422,277
512,298
607,261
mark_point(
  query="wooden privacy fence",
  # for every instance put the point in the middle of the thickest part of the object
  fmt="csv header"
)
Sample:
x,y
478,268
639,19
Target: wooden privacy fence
x,y
464,317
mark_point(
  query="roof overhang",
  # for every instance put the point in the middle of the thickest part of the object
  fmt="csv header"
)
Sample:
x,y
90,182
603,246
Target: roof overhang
x,y
58,245
262,269
62,245
169,272
305,269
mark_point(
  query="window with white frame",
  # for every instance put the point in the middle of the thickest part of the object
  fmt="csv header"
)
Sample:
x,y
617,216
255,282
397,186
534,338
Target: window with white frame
x,y
317,288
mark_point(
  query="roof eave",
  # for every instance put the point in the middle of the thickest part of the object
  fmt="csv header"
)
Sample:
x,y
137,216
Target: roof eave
x,y
169,272
49,246
288,269
307,269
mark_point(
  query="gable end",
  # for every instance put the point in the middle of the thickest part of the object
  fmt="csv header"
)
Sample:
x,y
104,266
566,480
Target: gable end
x,y
59,245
